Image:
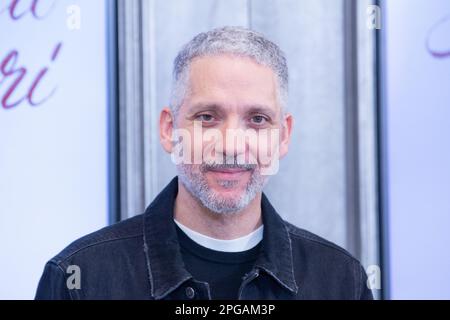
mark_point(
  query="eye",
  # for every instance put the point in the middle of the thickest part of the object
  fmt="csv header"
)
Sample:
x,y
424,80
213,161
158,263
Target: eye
x,y
205,118
258,119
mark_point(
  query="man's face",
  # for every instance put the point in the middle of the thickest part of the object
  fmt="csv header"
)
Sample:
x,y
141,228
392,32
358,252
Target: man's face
x,y
229,97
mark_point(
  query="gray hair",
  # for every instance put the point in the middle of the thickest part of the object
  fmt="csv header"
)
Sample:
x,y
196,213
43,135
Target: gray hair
x,y
236,41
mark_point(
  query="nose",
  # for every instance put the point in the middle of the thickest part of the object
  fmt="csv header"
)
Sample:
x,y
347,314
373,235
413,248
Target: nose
x,y
235,142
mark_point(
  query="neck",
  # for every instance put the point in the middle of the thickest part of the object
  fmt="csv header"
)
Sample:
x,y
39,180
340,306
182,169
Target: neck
x,y
191,213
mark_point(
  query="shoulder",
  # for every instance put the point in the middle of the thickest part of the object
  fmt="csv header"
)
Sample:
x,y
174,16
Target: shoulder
x,y
100,261
326,270
309,240
108,239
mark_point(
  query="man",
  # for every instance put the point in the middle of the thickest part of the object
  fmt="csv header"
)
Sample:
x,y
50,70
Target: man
x,y
212,233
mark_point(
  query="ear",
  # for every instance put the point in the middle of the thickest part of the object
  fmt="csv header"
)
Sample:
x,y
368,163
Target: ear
x,y
286,131
166,122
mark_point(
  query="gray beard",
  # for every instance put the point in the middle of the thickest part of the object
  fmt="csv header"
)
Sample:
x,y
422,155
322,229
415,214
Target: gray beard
x,y
193,179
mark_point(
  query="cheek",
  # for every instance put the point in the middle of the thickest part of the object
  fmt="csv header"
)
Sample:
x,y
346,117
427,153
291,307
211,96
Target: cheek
x,y
211,146
197,147
190,141
266,148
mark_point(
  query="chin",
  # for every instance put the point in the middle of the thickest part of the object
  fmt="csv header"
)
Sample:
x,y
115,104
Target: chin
x,y
230,194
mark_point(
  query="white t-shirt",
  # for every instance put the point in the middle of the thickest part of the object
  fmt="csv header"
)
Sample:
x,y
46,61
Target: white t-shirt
x,y
235,245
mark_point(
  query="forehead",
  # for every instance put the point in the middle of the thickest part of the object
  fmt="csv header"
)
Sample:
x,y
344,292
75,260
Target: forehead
x,y
231,81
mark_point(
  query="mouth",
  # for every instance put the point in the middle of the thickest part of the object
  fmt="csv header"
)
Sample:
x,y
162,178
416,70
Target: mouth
x,y
229,173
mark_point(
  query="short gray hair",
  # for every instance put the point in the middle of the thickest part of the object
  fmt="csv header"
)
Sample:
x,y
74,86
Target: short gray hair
x,y
237,41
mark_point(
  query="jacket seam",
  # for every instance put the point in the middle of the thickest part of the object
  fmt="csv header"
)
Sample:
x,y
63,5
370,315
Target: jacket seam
x,y
355,282
63,259
63,276
305,237
292,260
147,260
361,283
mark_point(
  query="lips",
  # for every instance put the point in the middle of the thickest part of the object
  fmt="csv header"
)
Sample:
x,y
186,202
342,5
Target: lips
x,y
228,173
229,170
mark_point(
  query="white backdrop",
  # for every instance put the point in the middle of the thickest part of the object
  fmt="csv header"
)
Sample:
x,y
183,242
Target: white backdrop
x,y
53,156
417,109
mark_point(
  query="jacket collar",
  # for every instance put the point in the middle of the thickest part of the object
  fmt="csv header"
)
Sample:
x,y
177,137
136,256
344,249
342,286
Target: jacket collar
x,y
276,256
165,265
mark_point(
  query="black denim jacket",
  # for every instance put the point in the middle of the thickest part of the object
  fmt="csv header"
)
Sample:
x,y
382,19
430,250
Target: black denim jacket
x,y
139,258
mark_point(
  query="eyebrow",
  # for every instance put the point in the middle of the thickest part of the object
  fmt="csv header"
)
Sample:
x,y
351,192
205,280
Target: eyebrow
x,y
205,106
249,109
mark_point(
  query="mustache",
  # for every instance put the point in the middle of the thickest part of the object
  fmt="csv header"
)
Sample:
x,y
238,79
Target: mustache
x,y
229,163
214,166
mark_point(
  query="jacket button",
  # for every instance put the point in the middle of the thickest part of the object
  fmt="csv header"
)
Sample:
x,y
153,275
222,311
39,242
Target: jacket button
x,y
190,293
